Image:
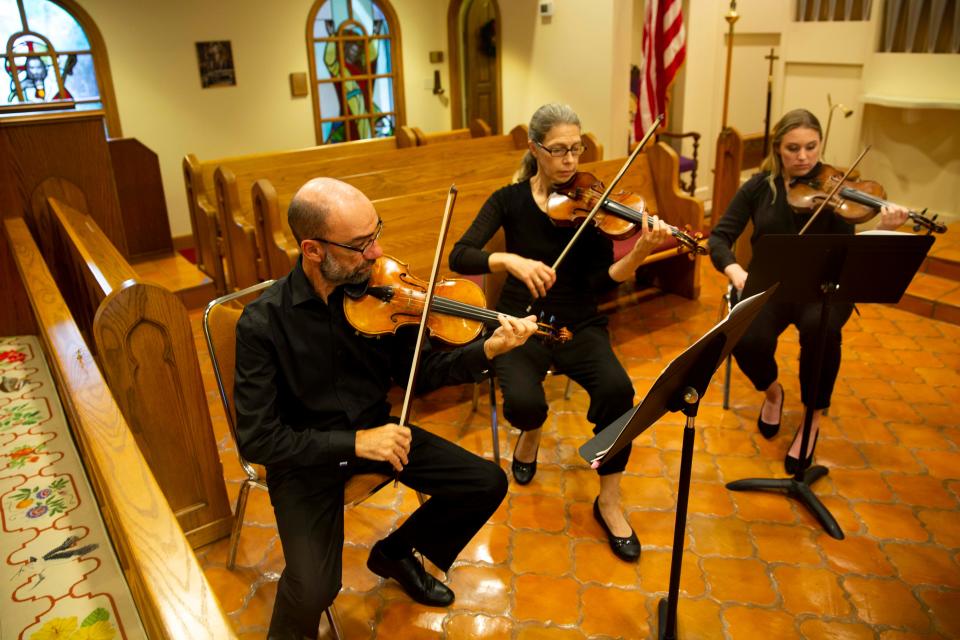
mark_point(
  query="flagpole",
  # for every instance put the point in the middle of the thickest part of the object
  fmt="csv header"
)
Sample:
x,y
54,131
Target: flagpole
x,y
731,18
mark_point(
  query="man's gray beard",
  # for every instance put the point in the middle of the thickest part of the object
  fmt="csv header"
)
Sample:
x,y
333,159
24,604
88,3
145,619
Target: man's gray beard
x,y
337,274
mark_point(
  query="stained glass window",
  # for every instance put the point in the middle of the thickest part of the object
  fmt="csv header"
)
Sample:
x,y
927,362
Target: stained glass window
x,y
353,49
47,57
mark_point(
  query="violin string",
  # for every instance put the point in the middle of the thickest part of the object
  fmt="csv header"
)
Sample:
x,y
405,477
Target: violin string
x,y
455,307
863,198
464,310
637,217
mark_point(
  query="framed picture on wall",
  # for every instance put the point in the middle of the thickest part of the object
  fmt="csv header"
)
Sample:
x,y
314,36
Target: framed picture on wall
x,y
216,64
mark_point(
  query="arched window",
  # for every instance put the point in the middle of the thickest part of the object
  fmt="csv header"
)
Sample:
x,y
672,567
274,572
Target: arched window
x,y
354,51
53,57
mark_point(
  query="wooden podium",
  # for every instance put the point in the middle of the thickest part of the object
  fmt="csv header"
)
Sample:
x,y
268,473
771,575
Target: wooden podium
x,y
88,238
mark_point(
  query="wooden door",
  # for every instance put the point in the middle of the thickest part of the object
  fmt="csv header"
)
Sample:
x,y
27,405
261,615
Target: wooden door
x,y
480,40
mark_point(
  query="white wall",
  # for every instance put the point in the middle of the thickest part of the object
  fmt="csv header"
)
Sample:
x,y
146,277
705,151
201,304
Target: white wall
x,y
154,66
915,148
581,56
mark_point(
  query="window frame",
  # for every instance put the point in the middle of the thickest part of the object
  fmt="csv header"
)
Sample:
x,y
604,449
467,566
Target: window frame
x,y
399,106
101,68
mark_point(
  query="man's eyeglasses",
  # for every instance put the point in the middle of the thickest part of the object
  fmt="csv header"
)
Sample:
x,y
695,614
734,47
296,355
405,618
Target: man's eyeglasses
x,y
363,247
558,152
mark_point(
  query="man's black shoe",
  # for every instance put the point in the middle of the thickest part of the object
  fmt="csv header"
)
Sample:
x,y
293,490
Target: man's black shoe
x,y
419,585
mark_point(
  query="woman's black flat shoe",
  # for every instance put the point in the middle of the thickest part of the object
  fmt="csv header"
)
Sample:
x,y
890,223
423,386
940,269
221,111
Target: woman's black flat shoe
x,y
791,465
523,472
624,548
768,430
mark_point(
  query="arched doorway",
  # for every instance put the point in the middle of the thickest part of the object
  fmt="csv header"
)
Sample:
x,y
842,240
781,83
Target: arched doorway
x,y
473,33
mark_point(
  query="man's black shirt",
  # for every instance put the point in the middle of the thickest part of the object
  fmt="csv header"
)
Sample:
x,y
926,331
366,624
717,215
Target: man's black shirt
x,y
306,380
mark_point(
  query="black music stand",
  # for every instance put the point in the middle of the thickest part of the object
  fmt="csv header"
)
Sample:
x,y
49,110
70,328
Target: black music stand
x,y
868,267
679,387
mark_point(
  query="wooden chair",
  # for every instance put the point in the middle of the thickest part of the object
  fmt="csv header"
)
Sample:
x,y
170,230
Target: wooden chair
x,y
687,164
220,328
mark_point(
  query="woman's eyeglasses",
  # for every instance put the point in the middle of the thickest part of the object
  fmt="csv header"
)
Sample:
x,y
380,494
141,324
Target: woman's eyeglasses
x,y
558,152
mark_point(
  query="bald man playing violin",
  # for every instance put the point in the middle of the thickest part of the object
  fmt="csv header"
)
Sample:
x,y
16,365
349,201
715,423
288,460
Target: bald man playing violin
x,y
311,405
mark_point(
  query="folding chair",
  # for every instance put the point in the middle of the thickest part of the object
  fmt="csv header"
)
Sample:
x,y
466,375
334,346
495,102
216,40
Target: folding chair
x,y
220,328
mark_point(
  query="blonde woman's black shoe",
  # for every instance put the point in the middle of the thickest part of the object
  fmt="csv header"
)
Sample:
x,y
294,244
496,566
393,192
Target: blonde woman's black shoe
x,y
768,430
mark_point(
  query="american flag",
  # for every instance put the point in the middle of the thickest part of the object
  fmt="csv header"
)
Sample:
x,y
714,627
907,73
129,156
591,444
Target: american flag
x,y
664,49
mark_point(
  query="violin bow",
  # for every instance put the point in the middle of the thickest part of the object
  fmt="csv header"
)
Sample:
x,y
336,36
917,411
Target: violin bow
x,y
603,198
836,188
427,303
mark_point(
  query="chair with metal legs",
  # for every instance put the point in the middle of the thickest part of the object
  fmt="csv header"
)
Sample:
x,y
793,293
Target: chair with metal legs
x,y
220,329
730,298
492,286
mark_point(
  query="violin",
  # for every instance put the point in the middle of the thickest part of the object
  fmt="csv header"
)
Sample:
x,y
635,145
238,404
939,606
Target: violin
x,y
393,297
620,214
856,201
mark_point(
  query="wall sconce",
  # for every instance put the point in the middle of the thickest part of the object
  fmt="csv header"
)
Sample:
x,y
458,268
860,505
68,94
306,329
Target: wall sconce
x,y
437,87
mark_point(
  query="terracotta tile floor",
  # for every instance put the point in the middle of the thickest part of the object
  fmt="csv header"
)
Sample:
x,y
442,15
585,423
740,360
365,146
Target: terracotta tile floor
x,y
754,563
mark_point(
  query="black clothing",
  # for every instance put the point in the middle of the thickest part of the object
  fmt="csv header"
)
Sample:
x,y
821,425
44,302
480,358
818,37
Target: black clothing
x,y
529,233
589,361
755,353
588,358
305,383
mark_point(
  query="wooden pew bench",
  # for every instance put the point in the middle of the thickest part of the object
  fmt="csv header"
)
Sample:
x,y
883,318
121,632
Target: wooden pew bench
x,y
412,220
245,250
168,586
271,197
145,347
200,187
270,203
477,129
201,192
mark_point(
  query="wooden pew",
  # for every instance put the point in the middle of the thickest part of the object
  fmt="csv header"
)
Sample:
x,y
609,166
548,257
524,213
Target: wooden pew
x,y
242,239
380,176
198,178
270,201
412,220
171,593
270,204
201,191
145,347
477,129
736,153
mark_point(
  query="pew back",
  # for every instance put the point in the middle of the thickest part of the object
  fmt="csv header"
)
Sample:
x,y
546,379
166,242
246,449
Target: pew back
x,y
146,350
198,178
412,220
171,592
271,197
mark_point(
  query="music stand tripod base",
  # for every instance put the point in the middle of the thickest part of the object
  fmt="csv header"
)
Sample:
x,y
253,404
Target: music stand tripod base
x,y
839,268
798,489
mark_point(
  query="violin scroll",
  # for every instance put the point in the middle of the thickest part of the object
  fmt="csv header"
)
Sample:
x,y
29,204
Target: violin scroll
x,y
930,225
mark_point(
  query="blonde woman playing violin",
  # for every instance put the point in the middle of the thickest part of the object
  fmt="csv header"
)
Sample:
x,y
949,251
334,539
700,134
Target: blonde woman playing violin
x,y
567,295
794,156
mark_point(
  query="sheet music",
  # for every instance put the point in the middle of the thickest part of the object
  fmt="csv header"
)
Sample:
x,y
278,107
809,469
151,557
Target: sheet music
x,y
654,404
